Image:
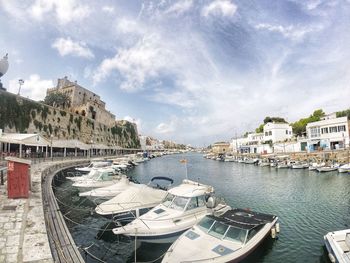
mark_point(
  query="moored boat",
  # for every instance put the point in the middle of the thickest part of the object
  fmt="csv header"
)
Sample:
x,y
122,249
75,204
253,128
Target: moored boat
x,y
228,237
328,168
345,168
135,201
300,165
182,208
338,246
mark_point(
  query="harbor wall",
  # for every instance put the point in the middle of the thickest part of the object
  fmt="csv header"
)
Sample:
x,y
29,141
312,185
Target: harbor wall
x,y
22,115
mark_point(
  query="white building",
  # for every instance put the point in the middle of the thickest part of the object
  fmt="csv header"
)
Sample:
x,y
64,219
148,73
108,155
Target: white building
x,y
277,132
253,143
328,134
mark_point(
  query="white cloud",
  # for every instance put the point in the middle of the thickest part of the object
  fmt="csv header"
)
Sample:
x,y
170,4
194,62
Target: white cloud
x,y
219,7
136,64
291,32
69,47
33,88
108,9
65,11
165,128
180,7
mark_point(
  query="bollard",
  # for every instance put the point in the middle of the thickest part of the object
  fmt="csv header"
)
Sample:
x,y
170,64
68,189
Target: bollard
x,y
2,177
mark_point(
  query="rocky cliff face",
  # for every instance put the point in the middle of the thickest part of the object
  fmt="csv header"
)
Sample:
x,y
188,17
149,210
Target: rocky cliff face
x,y
18,114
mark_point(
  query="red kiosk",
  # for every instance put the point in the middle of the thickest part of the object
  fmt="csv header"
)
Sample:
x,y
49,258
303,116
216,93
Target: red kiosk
x,y
18,177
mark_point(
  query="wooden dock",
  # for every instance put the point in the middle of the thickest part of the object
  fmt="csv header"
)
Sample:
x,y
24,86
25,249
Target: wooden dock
x,y
62,245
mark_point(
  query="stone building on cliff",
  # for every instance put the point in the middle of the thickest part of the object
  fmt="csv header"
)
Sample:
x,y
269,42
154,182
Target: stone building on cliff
x,y
84,102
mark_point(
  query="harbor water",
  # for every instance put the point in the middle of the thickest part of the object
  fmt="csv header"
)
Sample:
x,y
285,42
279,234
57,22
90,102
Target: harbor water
x,y
308,204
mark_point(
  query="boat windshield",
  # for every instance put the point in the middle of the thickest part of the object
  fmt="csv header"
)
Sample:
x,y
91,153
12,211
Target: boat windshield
x,y
179,203
236,234
218,229
168,199
222,231
206,223
175,202
106,176
196,202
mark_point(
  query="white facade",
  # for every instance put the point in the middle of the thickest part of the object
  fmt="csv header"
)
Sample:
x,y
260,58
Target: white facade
x,y
277,132
328,134
252,144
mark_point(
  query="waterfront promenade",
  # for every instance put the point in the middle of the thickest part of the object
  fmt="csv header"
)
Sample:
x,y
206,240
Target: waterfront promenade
x,y
23,235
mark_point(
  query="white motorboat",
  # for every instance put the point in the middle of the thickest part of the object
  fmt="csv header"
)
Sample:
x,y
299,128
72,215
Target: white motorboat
x,y
328,168
282,165
229,237
345,168
251,161
338,246
103,177
264,163
314,166
102,194
300,165
77,176
182,208
97,164
135,201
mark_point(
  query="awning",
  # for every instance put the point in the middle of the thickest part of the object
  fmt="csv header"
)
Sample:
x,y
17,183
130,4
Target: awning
x,y
70,144
24,138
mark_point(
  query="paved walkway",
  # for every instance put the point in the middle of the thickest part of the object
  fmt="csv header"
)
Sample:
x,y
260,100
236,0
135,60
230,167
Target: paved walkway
x,y
23,236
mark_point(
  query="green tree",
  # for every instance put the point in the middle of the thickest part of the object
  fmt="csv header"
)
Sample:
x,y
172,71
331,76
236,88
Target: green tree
x,y
57,100
299,127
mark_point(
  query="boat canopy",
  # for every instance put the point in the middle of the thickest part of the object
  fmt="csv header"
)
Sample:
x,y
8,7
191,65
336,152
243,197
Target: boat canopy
x,y
244,219
191,189
133,197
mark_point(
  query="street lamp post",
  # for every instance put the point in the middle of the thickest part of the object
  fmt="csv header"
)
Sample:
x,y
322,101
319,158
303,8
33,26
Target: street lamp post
x,y
20,82
51,137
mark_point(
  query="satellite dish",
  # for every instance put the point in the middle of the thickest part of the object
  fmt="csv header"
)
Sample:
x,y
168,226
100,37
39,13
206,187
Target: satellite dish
x,y
4,65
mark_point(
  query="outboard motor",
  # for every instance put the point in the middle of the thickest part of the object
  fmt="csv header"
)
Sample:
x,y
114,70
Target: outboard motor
x,y
211,202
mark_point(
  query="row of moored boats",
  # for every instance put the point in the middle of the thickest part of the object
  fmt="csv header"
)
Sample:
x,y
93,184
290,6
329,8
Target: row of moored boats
x,y
283,162
201,226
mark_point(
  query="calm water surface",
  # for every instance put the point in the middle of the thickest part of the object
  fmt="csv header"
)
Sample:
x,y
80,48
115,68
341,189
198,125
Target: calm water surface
x,y
308,205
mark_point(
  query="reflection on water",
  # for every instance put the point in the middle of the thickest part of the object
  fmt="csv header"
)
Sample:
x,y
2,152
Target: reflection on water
x,y
308,204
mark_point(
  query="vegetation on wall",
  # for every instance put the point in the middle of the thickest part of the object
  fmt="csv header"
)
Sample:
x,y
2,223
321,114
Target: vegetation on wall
x,y
22,115
57,100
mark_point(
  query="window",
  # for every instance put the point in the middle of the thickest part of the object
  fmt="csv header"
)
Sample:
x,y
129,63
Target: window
x,y
341,128
206,223
168,199
287,132
179,203
196,202
333,129
218,229
266,133
315,132
236,234
254,231
270,132
290,132
324,130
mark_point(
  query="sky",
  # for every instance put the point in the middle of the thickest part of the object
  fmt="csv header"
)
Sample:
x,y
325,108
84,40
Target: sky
x,y
194,72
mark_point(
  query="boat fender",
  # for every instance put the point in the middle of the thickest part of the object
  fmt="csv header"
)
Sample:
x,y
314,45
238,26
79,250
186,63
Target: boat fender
x,y
277,226
273,233
331,257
